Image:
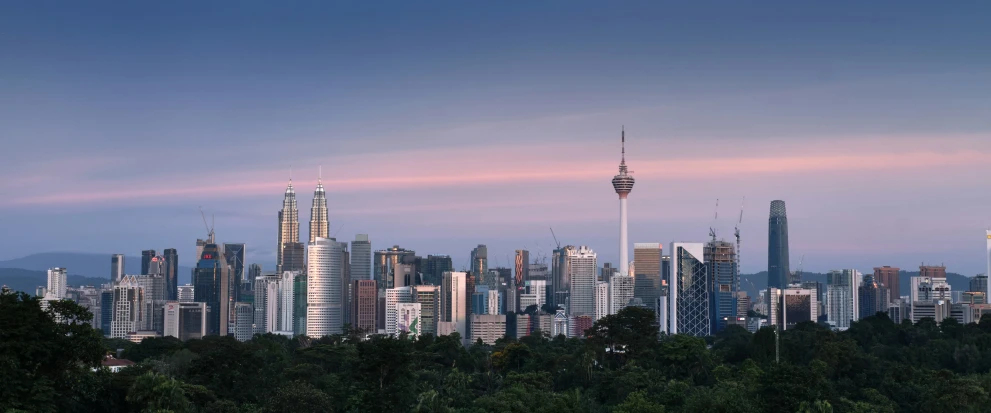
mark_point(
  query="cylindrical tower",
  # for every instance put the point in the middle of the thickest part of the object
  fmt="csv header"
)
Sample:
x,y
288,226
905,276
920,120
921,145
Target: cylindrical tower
x,y
623,184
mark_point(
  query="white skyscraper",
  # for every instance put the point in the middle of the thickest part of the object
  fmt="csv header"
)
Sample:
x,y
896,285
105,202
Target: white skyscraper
x,y
494,303
324,300
127,308
620,292
407,319
393,298
539,289
582,268
116,267
453,301
272,296
601,300
623,184
286,301
842,298
56,283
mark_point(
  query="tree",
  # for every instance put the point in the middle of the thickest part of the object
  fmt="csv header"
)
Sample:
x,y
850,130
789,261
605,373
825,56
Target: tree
x,y
637,402
299,397
154,392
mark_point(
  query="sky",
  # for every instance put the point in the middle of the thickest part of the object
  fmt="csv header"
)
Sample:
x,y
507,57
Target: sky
x,y
440,125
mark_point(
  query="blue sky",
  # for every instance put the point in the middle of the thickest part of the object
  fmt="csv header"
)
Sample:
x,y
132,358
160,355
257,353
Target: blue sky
x,y
441,125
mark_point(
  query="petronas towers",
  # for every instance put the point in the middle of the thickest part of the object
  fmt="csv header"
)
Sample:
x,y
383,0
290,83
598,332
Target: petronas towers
x,y
289,221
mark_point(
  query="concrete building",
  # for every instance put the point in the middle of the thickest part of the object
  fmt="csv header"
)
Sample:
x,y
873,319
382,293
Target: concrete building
x,y
647,270
385,262
324,295
622,289
364,305
689,291
394,297
623,184
601,300
582,268
117,270
453,304
407,320
262,311
285,318
186,293
288,226
842,295
480,266
428,296
186,321
434,267
170,270
57,283
494,303
539,290
937,310
523,325
798,305
244,314
128,301
361,258
888,276
873,297
925,288
720,261
487,328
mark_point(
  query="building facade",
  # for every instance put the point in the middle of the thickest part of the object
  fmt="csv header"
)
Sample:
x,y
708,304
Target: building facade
x,y
689,291
361,258
582,268
720,261
288,225
324,300
778,267
842,298
647,270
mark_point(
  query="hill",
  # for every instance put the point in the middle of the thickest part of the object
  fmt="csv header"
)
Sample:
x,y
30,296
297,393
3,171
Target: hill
x,y
84,264
19,279
752,283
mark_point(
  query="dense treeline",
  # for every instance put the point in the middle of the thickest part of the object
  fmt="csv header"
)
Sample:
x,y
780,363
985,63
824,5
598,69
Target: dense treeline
x,y
875,366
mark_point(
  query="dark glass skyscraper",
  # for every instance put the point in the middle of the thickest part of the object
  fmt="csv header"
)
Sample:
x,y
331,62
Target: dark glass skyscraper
x,y
171,272
146,257
778,266
210,281
234,254
720,261
434,267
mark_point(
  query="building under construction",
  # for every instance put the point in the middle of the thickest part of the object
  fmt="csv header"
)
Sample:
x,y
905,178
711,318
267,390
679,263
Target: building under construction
x,y
720,262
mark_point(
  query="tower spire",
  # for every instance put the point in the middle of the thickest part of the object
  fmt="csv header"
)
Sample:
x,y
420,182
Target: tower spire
x,y
320,175
622,138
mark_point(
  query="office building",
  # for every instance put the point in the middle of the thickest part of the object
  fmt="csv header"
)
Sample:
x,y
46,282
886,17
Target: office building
x,y
319,217
742,303
404,275
521,267
493,304
487,327
523,325
539,289
266,290
582,268
646,271
842,298
559,324
146,257
888,276
987,292
293,257
407,320
300,290
106,310
608,270
434,267
185,321
539,271
288,225
170,269
798,305
364,305
938,310
286,318
394,297
244,317
873,297
933,271
234,254
579,325
117,267
480,266
689,291
661,308
153,286
527,300
361,258
601,300
186,293
926,288
453,304
560,277
211,281
56,283
385,263
428,296
623,184
720,261
325,303
128,302
254,271
979,283
621,291
778,267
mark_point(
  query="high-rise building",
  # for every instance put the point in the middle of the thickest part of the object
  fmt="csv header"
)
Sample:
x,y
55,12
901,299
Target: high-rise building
x,y
778,267
934,271
927,288
608,270
798,305
434,267
244,316
394,297
623,184
264,285
286,310
453,304
106,310
480,265
128,300
234,254
361,258
408,319
404,275
622,289
154,299
319,217
487,328
646,270
211,286
720,260
186,321
117,267
57,282
300,290
171,272
254,271
979,283
288,225
364,304
385,262
521,269
493,303
293,257
888,276
186,293
324,304
872,297
987,292
601,300
146,257
428,296
689,291
842,297
582,268
560,277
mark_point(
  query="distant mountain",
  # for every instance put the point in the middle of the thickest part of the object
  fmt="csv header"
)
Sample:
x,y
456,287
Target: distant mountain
x,y
84,264
753,283
19,279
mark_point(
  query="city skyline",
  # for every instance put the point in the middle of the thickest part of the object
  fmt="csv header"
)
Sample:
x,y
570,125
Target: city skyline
x,y
872,113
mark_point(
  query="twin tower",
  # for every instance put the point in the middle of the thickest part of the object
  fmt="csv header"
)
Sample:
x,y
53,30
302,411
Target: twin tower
x,y
288,239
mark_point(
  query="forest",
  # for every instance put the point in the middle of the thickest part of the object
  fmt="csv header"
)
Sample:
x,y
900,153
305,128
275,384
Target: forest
x,y
50,362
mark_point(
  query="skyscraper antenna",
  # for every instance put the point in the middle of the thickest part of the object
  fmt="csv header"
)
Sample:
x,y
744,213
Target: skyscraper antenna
x,y
290,174
320,174
622,138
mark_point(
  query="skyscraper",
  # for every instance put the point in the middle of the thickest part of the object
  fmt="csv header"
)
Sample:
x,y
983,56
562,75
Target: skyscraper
x,y
480,264
934,271
689,291
319,218
646,271
324,302
621,291
453,304
623,184
798,305
146,257
128,299
601,300
261,317
56,283
720,261
872,297
254,271
117,267
987,293
434,267
582,268
560,274
364,305
293,257
211,281
842,297
288,225
300,290
171,273
888,276
522,267
386,262
106,310
778,267
234,254
361,258
428,296
394,297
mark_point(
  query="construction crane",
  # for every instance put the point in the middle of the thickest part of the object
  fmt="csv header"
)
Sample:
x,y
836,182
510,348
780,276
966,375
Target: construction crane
x,y
712,229
555,238
209,227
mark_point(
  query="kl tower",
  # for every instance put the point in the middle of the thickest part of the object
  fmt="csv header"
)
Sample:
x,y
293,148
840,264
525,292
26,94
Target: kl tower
x,y
623,184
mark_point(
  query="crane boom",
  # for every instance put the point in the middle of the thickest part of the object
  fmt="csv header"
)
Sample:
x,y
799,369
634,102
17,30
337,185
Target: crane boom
x,y
555,238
